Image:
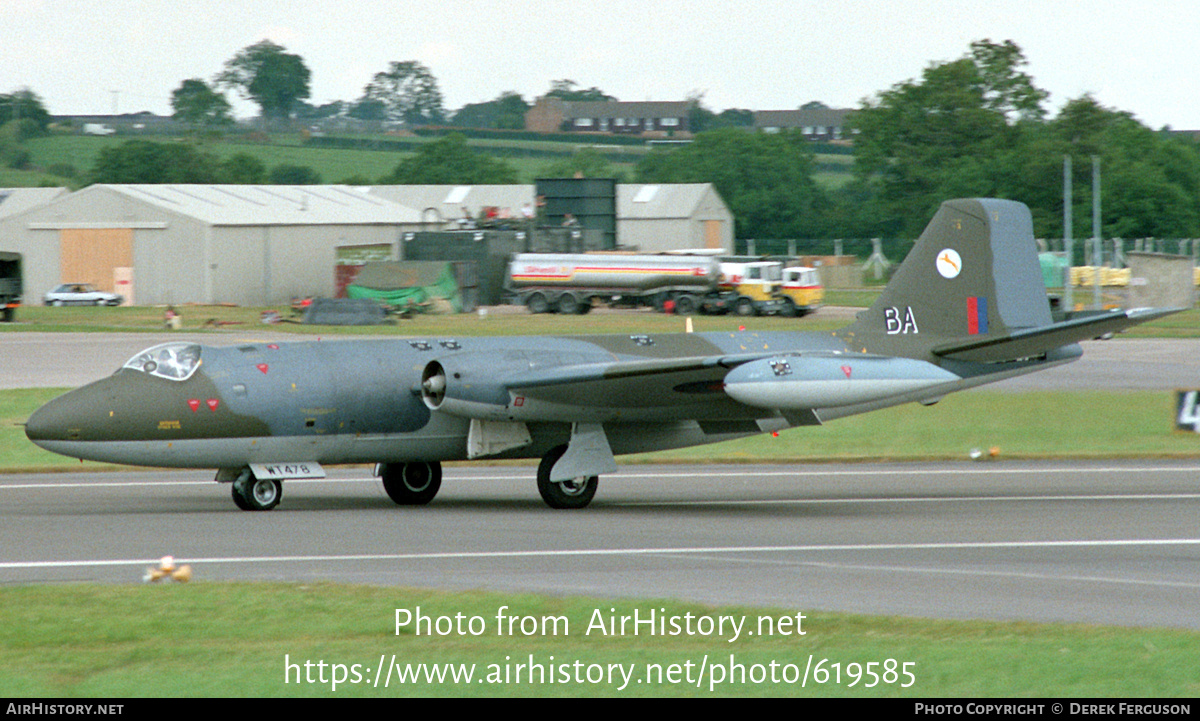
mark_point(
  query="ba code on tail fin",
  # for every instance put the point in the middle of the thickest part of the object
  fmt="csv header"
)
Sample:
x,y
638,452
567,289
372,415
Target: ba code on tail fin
x,y
973,274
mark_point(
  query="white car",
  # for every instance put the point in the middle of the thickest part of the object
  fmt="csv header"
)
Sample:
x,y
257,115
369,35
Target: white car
x,y
80,294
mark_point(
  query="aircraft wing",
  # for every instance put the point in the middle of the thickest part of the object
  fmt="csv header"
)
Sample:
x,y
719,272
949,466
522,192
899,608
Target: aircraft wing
x,y
715,387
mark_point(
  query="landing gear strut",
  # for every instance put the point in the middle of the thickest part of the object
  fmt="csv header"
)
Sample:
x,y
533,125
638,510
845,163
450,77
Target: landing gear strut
x,y
571,493
256,494
411,484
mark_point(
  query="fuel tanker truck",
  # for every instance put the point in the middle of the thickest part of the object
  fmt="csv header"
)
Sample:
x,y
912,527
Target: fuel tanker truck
x,y
685,284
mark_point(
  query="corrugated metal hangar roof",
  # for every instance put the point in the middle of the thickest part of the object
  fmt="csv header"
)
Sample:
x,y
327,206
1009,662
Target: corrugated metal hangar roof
x,y
270,204
16,200
634,200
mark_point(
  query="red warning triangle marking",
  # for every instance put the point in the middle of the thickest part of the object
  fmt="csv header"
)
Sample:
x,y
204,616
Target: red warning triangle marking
x,y
846,370
194,404
262,367
212,404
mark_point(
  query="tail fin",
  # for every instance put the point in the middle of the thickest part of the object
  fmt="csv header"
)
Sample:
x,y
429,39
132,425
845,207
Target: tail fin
x,y
971,289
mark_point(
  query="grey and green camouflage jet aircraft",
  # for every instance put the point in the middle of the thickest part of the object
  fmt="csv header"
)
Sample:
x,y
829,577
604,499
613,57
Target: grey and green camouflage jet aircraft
x,y
967,307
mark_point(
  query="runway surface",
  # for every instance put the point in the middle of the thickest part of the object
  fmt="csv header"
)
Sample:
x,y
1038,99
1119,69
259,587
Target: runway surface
x,y
1114,542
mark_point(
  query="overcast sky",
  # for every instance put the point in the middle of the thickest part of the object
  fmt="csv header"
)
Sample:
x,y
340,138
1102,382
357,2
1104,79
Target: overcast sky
x,y
91,56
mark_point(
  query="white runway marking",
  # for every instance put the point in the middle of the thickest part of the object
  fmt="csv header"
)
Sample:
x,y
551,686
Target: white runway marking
x,y
926,570
615,552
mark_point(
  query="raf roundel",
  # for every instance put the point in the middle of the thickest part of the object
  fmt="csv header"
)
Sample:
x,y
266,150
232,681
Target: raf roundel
x,y
949,264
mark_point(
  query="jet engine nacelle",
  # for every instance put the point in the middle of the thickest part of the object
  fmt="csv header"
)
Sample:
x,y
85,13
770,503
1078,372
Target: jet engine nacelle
x,y
464,385
828,381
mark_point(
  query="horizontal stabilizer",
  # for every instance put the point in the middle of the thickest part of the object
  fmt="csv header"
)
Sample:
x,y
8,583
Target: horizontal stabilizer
x,y
1033,342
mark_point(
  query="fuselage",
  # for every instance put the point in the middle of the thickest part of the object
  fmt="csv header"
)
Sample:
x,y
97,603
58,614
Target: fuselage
x,y
359,401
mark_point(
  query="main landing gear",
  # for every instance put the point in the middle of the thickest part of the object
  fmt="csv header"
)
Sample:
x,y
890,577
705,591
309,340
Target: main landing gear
x,y
414,483
411,484
256,494
571,493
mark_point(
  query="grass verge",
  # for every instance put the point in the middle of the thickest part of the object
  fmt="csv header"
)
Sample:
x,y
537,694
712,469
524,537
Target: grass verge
x,y
231,639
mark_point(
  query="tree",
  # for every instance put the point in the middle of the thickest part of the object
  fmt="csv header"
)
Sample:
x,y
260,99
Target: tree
x,y
196,103
1150,181
946,135
266,74
287,174
764,178
409,92
701,118
565,90
321,112
506,112
24,105
365,109
142,161
583,163
448,161
243,169
1006,89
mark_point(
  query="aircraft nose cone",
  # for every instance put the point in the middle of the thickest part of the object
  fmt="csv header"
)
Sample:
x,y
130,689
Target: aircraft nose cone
x,y
52,422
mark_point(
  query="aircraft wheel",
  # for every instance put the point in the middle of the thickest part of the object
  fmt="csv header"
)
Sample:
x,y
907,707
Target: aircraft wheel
x,y
256,494
573,493
412,484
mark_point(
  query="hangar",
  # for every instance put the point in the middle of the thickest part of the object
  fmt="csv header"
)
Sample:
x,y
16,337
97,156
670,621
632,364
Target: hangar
x,y
650,218
243,244
265,244
18,200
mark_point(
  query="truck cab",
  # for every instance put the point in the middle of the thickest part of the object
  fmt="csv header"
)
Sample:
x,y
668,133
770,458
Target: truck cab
x,y
802,290
756,284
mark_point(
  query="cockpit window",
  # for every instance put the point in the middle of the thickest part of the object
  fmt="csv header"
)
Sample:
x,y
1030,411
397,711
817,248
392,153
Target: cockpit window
x,y
173,361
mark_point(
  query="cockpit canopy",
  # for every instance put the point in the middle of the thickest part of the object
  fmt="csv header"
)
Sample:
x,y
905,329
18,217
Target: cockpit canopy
x,y
173,361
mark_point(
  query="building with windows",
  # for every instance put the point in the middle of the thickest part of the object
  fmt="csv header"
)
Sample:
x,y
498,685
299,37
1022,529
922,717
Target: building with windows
x,y
818,124
554,115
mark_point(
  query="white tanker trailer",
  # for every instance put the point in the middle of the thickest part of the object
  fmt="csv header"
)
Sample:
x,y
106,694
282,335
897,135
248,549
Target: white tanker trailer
x,y
573,282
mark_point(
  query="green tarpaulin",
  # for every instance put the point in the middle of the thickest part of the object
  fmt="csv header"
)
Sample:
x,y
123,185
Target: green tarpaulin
x,y
415,285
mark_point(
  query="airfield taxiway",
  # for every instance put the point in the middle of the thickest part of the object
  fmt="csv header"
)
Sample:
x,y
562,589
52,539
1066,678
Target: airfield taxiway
x,y
1114,542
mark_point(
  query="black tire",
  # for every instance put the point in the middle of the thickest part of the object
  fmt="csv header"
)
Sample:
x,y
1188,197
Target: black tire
x,y
789,309
537,303
568,304
256,494
745,308
575,493
412,484
685,305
